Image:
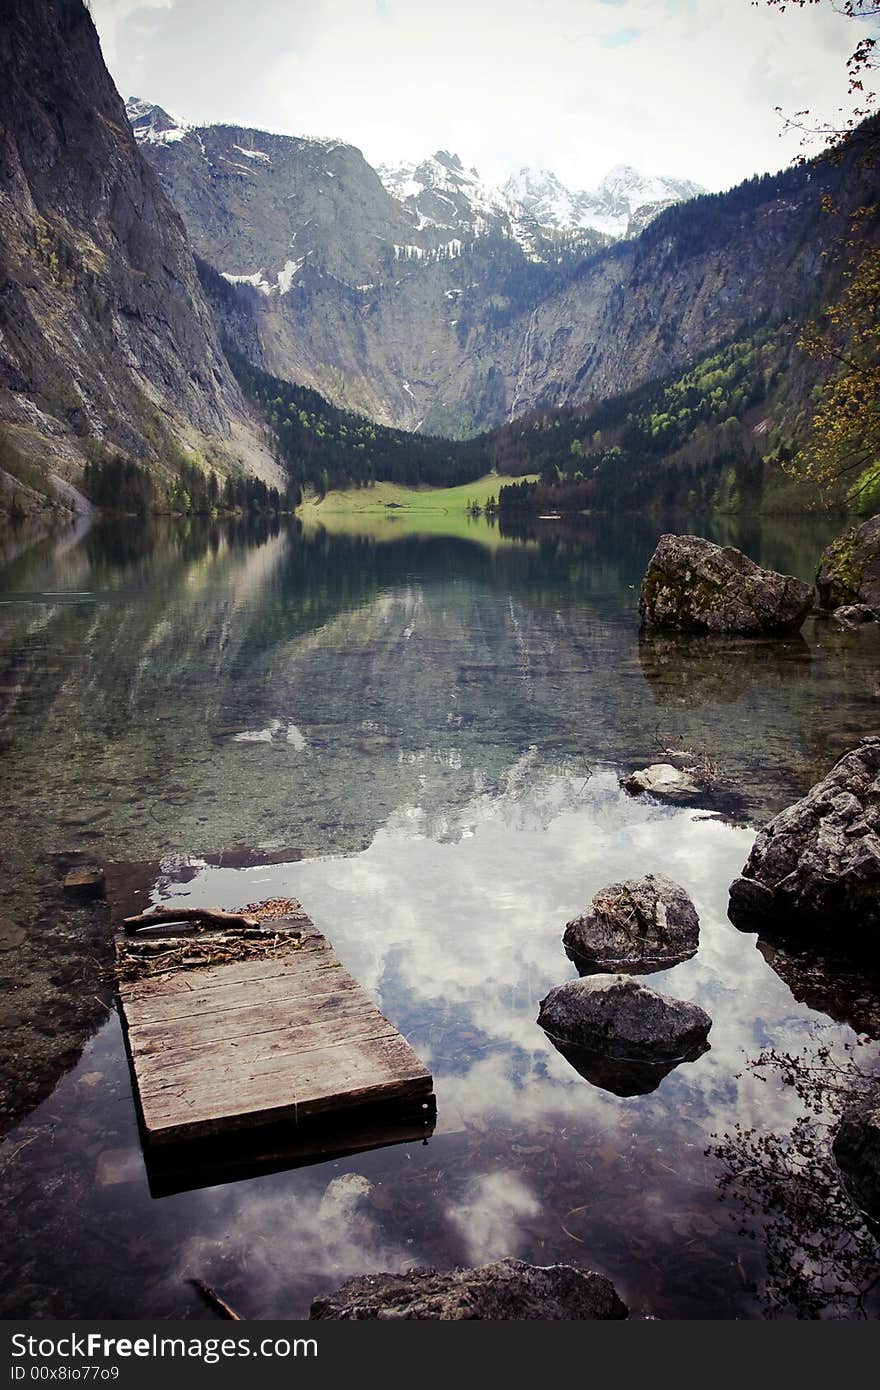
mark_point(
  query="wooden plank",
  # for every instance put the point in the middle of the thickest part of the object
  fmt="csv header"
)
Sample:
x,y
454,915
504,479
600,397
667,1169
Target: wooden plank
x,y
187,1036
232,1024
198,1003
274,1038
319,1082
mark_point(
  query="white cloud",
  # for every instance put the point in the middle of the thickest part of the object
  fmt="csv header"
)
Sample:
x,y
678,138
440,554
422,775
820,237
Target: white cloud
x,y
575,85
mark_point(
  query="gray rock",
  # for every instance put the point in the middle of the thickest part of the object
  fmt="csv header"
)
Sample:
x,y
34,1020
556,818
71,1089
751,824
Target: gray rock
x,y
692,585
856,1149
817,864
621,1019
852,615
640,925
509,1289
661,779
849,568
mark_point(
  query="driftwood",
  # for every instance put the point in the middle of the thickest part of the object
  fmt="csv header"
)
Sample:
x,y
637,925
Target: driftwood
x,y
209,916
213,1300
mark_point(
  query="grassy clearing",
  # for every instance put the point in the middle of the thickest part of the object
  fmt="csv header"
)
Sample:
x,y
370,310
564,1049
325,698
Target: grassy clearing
x,y
415,512
391,497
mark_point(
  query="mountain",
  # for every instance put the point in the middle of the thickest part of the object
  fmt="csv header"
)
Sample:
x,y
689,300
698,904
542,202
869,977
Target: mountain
x,y
376,288
621,205
428,301
106,340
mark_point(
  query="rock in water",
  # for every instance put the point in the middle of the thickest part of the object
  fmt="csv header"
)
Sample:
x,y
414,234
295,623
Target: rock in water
x,y
849,569
692,585
616,1017
661,779
509,1289
852,615
816,866
641,925
856,1148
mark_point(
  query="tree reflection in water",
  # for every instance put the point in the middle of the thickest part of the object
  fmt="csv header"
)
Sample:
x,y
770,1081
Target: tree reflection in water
x,y
821,1258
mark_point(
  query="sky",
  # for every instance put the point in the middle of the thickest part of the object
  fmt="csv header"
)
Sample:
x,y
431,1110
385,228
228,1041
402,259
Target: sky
x,y
682,87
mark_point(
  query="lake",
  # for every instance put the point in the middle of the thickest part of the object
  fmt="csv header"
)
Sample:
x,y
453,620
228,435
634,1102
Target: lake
x,y
436,725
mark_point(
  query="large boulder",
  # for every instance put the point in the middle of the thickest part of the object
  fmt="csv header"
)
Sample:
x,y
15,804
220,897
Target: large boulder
x,y
849,569
856,1148
618,1018
816,866
692,585
509,1289
640,925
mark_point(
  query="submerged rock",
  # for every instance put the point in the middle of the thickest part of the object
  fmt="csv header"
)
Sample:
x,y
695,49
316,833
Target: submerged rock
x,y
509,1289
692,585
856,1149
661,779
84,883
12,935
845,990
687,671
618,1075
816,866
640,925
620,1019
849,569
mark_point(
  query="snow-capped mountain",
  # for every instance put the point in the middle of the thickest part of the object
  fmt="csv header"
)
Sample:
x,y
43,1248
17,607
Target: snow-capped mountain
x,y
443,193
151,124
622,204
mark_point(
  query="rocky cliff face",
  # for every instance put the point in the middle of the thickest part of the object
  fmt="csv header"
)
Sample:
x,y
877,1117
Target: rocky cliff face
x,y
105,334
429,301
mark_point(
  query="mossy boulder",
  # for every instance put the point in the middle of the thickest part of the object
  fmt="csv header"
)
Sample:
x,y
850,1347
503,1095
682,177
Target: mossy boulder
x,y
849,569
693,585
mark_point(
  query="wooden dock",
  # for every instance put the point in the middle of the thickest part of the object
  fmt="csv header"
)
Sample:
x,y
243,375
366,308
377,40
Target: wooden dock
x,y
282,1034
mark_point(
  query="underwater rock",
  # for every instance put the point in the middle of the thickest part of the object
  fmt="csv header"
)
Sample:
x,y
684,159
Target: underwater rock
x,y
509,1289
622,1020
845,990
816,866
11,934
692,585
84,883
619,1076
640,925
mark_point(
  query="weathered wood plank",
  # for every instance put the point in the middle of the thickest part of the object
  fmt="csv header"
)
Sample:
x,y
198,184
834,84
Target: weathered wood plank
x,y
198,1003
319,1082
232,1024
224,1046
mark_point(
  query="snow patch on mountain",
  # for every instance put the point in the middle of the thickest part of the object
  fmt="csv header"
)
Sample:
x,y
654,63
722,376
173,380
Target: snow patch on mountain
x,y
621,204
152,125
441,192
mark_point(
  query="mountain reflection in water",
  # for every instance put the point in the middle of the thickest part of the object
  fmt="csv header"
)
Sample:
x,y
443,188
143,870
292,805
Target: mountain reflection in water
x,y
439,726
